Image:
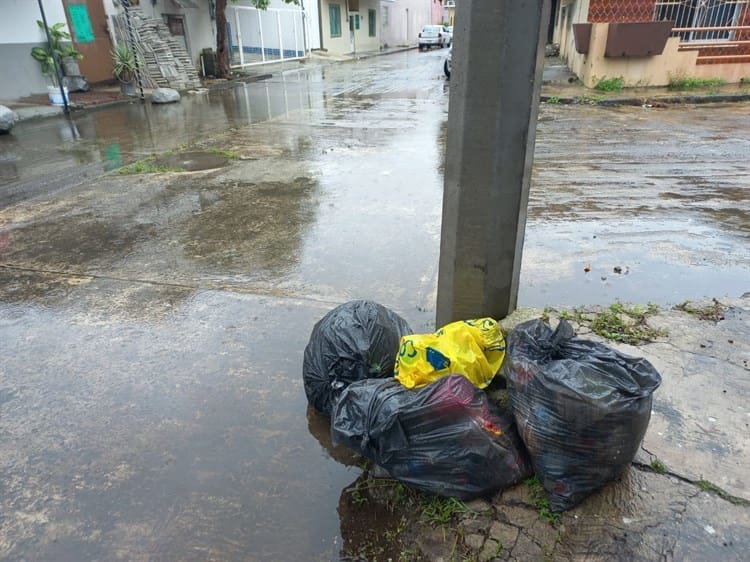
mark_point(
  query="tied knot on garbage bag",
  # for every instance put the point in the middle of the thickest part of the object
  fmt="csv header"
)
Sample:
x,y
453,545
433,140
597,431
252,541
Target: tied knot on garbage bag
x,y
473,348
354,341
445,438
582,408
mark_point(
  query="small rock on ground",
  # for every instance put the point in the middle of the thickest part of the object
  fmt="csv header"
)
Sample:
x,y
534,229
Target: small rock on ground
x,y
165,95
8,118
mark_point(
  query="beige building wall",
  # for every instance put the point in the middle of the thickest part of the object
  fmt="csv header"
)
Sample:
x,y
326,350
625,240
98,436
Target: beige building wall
x,y
636,71
731,73
362,40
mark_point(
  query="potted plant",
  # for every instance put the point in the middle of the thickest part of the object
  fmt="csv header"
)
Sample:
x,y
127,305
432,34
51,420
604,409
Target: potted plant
x,y
67,54
70,58
123,67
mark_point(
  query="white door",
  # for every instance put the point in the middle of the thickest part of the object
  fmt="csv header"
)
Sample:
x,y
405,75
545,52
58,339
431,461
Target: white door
x,y
353,27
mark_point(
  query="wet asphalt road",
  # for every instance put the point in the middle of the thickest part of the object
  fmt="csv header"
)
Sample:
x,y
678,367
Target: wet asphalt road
x,y
152,326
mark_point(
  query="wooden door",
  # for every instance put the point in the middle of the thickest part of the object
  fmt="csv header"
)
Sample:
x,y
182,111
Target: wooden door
x,y
87,22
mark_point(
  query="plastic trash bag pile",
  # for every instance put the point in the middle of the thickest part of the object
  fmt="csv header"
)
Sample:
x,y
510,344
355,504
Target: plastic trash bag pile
x,y
414,404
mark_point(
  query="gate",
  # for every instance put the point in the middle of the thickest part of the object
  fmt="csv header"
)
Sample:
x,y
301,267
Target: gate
x,y
88,25
265,36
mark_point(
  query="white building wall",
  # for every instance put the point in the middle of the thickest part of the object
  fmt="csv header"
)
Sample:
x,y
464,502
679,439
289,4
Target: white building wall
x,y
18,21
403,22
19,32
312,23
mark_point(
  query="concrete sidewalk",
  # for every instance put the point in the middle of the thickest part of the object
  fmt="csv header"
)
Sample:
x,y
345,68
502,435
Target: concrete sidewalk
x,y
686,496
38,105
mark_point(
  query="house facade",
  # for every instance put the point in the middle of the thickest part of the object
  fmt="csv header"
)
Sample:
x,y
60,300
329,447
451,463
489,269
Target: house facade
x,y
84,20
449,11
402,20
652,42
349,26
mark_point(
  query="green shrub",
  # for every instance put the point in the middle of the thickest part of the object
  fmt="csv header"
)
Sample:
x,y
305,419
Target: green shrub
x,y
610,84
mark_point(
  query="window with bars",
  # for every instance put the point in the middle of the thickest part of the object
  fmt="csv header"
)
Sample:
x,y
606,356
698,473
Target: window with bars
x,y
706,18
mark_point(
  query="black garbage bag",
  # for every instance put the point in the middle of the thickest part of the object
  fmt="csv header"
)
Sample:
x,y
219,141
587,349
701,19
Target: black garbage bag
x,y
444,438
354,341
582,408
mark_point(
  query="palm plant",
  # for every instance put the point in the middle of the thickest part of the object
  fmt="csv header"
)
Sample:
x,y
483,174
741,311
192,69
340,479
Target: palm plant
x,y
123,63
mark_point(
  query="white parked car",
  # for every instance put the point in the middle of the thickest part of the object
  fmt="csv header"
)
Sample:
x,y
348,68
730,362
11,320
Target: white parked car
x,y
448,31
432,36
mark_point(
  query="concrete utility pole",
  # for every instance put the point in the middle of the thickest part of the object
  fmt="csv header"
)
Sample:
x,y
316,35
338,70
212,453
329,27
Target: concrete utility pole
x,y
494,99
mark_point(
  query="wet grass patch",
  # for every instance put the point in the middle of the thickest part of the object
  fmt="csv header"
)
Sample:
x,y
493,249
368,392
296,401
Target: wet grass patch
x,y
395,496
618,322
437,510
228,154
390,515
713,312
712,488
381,518
693,83
626,324
587,99
540,501
614,84
658,466
147,166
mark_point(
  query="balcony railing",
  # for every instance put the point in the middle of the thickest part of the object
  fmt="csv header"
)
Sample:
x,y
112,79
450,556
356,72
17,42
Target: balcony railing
x,y
718,29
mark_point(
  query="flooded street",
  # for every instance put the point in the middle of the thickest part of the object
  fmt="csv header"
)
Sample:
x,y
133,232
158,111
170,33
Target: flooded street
x,y
152,325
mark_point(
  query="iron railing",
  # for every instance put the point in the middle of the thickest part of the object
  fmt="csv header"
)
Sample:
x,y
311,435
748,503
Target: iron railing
x,y
699,21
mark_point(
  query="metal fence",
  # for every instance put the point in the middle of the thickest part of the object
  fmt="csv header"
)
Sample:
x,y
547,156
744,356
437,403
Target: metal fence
x,y
264,36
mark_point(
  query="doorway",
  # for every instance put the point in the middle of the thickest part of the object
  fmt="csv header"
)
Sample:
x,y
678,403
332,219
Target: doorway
x,y
89,32
178,28
353,27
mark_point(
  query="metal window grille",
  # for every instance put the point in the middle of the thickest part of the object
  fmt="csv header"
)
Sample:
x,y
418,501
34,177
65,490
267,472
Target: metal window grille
x,y
334,18
702,20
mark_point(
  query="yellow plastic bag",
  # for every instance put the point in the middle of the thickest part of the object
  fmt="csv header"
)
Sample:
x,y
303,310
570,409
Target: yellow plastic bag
x,y
472,348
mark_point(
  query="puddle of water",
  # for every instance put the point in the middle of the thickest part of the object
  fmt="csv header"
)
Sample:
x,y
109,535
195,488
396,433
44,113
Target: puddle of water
x,y
169,438
195,161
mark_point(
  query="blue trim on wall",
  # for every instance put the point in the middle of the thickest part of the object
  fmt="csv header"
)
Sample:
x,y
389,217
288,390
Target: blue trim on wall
x,y
288,53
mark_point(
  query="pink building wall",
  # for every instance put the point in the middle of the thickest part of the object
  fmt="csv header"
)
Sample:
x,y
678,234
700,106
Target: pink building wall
x,y
437,11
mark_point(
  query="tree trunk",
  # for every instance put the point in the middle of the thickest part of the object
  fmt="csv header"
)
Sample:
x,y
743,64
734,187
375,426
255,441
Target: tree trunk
x,y
222,52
